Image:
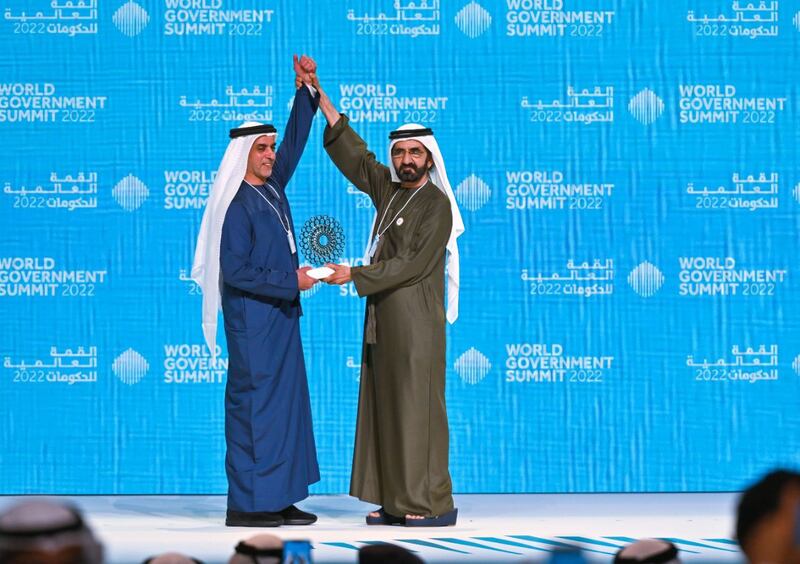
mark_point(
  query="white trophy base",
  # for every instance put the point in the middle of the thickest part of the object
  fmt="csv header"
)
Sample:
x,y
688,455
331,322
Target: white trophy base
x,y
320,272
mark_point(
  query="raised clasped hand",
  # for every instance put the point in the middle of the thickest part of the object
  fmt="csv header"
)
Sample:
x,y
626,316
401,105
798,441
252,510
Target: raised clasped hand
x,y
305,69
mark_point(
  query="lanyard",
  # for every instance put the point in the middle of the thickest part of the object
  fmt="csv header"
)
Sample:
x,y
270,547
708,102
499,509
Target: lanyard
x,y
285,227
288,225
379,232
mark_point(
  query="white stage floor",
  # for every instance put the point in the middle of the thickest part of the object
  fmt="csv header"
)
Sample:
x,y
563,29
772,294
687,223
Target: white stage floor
x,y
491,528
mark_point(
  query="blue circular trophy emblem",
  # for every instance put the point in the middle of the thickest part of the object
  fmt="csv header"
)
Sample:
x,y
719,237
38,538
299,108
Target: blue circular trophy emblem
x,y
322,240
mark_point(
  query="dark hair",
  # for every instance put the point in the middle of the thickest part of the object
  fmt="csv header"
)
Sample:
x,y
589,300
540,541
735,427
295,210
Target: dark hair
x,y
385,553
658,552
152,558
761,500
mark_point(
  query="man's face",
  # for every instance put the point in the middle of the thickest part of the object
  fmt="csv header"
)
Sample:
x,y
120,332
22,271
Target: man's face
x,y
411,160
262,157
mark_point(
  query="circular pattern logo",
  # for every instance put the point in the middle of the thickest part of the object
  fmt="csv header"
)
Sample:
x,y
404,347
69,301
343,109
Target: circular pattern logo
x,y
322,240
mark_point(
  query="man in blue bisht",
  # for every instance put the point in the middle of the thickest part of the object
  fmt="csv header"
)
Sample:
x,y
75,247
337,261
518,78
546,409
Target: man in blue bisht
x,y
246,259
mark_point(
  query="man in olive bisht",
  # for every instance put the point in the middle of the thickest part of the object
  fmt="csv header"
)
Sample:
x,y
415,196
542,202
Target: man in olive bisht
x,y
401,451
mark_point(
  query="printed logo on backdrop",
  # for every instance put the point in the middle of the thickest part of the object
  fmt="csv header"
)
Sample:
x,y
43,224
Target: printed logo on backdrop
x,y
473,20
130,193
747,365
380,103
539,363
131,19
796,21
187,189
211,17
192,288
549,18
40,277
748,19
354,367
61,367
311,291
360,199
796,365
586,107
547,190
472,366
186,363
715,276
719,103
646,279
130,367
240,105
585,280
68,192
796,192
39,102
69,17
646,107
473,193
413,18
748,192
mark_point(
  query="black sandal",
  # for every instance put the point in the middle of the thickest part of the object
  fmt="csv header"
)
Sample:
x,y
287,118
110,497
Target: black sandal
x,y
384,518
447,520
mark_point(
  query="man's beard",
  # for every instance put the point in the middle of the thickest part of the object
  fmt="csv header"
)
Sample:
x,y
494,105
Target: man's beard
x,y
410,172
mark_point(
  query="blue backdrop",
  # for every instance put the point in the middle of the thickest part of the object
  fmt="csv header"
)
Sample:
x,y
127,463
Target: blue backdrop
x,y
628,176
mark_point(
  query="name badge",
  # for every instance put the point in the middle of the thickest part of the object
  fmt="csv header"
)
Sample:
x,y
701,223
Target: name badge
x,y
374,247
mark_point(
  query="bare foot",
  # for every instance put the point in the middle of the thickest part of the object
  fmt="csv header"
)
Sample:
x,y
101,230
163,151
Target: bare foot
x,y
374,514
415,517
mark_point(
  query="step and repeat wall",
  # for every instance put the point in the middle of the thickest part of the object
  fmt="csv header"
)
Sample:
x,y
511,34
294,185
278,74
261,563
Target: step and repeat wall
x,y
628,176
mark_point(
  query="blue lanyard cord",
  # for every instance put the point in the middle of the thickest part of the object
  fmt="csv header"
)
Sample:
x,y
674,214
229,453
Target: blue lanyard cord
x,y
285,227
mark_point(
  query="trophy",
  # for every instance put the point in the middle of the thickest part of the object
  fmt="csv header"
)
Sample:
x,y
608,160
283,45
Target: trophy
x,y
321,240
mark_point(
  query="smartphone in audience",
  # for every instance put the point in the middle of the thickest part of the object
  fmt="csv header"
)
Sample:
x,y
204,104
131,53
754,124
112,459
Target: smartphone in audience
x,y
297,552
